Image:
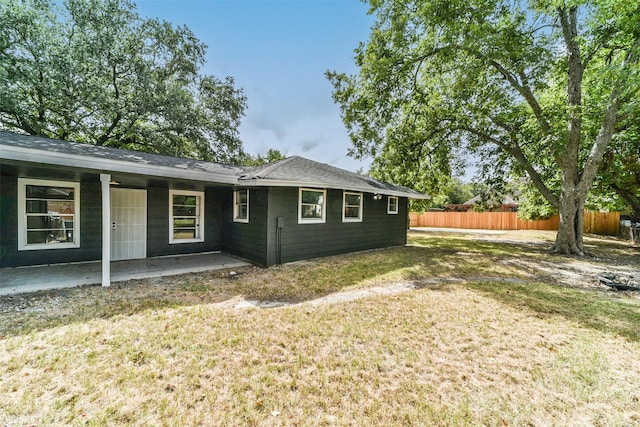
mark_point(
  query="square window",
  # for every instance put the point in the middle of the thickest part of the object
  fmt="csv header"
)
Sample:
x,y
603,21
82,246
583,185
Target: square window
x,y
311,205
186,211
48,214
352,207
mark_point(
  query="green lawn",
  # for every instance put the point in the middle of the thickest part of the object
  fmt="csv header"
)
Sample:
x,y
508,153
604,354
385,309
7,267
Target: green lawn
x,y
487,338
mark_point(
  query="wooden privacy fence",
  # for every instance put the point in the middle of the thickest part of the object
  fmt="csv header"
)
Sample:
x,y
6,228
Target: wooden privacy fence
x,y
594,222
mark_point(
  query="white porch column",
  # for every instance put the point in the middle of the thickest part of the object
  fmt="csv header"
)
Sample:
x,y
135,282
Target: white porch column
x,y
105,179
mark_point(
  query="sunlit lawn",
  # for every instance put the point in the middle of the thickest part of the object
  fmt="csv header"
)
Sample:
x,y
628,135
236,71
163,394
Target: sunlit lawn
x,y
492,352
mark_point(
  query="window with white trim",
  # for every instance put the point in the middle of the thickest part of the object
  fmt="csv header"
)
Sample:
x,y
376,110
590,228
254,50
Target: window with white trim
x,y
312,206
351,207
48,214
241,206
186,216
392,205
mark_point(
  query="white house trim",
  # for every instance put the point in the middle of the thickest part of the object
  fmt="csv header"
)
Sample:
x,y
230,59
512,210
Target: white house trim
x,y
105,179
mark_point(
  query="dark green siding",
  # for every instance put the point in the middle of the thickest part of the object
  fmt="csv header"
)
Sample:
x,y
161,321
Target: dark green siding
x,y
301,241
8,220
248,240
255,241
158,224
90,226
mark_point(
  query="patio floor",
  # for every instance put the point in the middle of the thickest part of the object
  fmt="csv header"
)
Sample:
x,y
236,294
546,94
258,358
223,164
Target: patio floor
x,y
53,276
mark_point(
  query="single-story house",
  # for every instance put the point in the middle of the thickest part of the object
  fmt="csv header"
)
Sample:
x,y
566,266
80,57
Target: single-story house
x,y
69,202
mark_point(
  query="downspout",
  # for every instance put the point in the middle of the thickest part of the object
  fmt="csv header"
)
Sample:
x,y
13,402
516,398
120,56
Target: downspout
x,y
105,179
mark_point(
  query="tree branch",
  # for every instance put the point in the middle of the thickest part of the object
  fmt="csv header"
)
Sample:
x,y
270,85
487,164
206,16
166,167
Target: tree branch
x,y
526,93
608,124
569,24
522,159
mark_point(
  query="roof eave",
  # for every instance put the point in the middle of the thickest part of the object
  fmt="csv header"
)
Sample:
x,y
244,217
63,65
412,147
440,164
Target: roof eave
x,y
258,182
90,162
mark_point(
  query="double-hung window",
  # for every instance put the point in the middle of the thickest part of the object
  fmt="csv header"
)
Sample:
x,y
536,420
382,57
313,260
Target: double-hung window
x,y
241,206
351,207
312,206
48,214
186,216
392,205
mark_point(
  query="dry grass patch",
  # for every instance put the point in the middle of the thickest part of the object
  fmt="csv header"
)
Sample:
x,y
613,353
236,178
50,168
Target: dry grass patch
x,y
437,356
510,343
292,283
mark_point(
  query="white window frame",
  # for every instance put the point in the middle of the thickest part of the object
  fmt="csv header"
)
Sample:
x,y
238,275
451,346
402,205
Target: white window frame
x,y
344,207
22,214
392,211
200,216
321,220
236,206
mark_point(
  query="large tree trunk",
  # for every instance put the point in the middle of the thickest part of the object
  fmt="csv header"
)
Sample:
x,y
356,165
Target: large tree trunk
x,y
569,239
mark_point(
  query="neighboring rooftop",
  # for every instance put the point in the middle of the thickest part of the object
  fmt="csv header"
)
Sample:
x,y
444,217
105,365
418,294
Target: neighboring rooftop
x,y
507,200
293,171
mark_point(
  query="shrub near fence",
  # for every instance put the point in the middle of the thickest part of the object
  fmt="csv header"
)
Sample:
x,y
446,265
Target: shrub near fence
x,y
594,222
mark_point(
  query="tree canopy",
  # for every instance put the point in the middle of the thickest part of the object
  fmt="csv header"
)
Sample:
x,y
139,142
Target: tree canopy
x,y
271,156
538,88
619,176
94,71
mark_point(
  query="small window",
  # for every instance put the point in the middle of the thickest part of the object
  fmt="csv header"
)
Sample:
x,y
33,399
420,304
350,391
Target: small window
x,y
48,214
241,206
392,205
311,206
352,207
186,211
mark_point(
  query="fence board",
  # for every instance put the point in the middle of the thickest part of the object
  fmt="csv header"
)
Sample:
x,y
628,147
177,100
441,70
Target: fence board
x,y
594,222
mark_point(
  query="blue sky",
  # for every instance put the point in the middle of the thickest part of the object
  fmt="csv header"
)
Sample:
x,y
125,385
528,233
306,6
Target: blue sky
x,y
278,52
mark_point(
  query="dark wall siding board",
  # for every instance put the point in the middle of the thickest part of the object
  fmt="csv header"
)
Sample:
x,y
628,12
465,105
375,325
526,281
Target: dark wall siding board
x,y
8,221
247,240
158,224
301,241
90,229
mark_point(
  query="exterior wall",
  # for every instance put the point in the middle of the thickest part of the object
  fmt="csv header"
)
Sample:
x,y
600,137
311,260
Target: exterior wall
x,y
301,241
158,223
247,240
255,241
90,229
91,225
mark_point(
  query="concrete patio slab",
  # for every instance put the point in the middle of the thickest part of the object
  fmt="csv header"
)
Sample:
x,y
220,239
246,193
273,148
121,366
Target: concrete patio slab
x,y
55,276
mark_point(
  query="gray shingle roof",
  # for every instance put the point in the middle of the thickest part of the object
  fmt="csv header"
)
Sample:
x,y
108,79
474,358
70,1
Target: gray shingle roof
x,y
293,171
88,150
300,171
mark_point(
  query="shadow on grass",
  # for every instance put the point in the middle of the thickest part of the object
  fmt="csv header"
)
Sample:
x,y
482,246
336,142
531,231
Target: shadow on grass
x,y
424,257
290,283
595,310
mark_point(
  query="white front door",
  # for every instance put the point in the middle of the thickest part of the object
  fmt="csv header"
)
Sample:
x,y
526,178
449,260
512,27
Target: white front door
x,y
128,224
